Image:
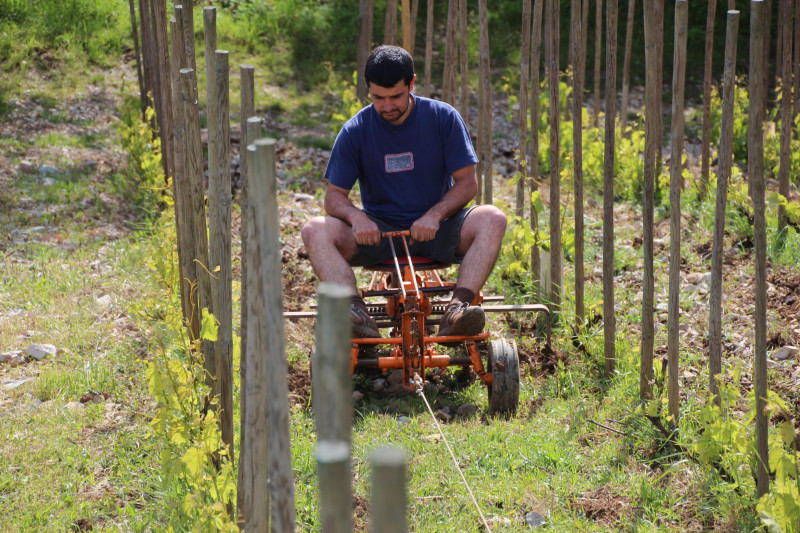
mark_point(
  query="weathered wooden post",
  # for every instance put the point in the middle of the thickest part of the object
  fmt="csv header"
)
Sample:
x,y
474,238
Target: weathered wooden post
x,y
524,67
263,192
180,185
755,169
428,48
188,39
609,322
253,495
577,157
786,109
194,172
796,62
365,10
723,175
388,500
335,490
675,181
137,53
165,121
451,45
556,274
405,11
390,23
486,84
332,384
706,142
626,66
652,123
221,256
533,173
464,56
598,59
147,52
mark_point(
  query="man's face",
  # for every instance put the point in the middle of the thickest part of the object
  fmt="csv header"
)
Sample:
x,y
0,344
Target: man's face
x,y
393,104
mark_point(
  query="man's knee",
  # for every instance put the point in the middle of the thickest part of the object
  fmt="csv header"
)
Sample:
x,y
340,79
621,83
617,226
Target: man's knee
x,y
313,227
491,220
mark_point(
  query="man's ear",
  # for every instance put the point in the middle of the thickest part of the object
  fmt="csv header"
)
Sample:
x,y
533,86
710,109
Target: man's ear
x,y
411,85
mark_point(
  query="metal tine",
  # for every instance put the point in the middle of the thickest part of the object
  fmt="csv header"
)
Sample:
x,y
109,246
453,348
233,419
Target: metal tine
x,y
397,266
410,263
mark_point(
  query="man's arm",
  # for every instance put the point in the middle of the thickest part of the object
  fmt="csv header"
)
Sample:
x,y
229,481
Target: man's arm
x,y
465,187
338,205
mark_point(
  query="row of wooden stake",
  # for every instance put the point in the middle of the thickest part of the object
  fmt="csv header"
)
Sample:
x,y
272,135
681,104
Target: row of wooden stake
x,y
266,483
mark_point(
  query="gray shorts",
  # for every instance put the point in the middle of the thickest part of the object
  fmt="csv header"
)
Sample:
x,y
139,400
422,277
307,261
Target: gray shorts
x,y
442,248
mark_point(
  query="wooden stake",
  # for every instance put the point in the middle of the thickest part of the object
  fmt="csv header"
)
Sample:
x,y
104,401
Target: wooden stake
x,y
675,182
786,110
388,501
188,40
556,274
796,61
577,159
706,142
135,35
254,451
755,169
598,58
451,51
335,486
464,48
524,67
626,66
390,28
486,82
405,11
165,120
609,323
428,49
723,175
414,13
652,108
364,45
536,45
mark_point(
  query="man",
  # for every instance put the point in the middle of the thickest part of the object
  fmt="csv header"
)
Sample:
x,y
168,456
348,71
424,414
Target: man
x,y
414,162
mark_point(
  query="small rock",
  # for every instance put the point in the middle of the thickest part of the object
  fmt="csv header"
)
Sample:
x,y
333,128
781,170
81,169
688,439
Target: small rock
x,y
663,306
379,384
467,410
534,519
499,521
103,301
26,167
74,406
357,396
47,170
6,357
40,351
396,378
782,354
14,383
403,420
16,360
444,414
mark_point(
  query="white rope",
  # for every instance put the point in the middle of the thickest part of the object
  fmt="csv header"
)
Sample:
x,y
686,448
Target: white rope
x,y
418,382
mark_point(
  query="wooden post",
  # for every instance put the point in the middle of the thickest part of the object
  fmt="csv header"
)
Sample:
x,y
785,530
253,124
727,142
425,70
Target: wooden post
x,y
253,495
598,58
556,275
388,500
414,13
263,191
210,43
536,53
390,28
486,83
767,44
796,61
524,67
464,49
335,486
194,172
428,48
755,169
180,187
659,111
224,306
165,121
609,322
786,109
675,182
405,11
365,8
584,38
135,35
652,107
147,54
706,142
723,175
577,158
626,66
451,52
332,384
188,39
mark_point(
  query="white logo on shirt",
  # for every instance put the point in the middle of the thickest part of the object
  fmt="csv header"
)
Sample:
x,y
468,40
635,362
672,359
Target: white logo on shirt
x,y
399,162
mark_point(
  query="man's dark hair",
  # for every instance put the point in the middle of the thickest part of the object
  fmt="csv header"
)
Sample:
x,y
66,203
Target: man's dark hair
x,y
387,65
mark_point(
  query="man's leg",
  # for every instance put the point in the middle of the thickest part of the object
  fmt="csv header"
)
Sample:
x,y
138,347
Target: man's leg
x,y
479,244
330,243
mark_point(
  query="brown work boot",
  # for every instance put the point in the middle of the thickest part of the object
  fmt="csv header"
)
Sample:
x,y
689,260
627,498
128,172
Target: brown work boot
x,y
460,318
364,326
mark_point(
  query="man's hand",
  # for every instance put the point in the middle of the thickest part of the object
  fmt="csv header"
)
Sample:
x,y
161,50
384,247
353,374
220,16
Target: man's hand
x,y
365,230
424,228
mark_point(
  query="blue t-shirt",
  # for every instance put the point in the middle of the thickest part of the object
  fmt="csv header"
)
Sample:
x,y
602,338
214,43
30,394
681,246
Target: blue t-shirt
x,y
402,170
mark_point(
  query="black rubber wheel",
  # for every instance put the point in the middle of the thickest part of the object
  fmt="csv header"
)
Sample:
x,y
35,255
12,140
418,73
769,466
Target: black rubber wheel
x,y
504,366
